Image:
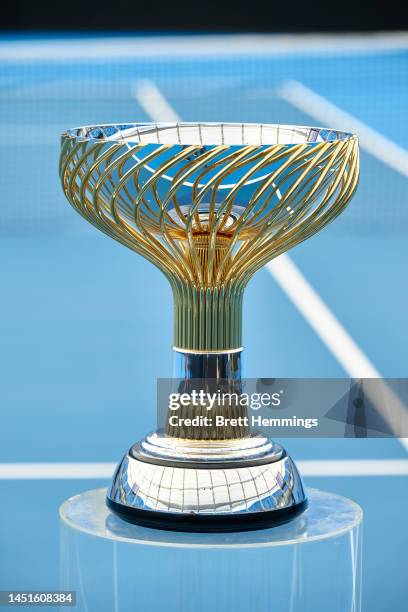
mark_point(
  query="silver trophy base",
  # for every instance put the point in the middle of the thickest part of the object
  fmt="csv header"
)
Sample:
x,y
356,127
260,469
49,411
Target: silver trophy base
x,y
188,485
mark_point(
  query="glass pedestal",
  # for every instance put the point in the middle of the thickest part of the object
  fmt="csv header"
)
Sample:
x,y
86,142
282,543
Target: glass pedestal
x,y
310,564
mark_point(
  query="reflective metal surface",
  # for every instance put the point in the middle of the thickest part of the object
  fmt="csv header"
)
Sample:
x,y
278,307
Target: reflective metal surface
x,y
212,373
217,479
255,449
220,365
239,488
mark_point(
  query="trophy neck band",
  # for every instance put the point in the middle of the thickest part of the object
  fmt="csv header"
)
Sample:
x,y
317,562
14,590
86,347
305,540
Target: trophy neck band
x,y
204,366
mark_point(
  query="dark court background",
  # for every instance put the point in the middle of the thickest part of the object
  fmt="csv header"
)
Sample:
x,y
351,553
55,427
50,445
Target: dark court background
x,y
205,16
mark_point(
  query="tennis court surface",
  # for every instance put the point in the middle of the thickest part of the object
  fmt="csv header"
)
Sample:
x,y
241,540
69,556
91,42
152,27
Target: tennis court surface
x,y
86,324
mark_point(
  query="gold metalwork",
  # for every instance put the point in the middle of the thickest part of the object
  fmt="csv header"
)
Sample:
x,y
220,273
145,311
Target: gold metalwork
x,y
208,215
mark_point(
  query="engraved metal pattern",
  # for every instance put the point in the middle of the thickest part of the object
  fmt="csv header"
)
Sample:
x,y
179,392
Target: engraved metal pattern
x,y
208,204
239,490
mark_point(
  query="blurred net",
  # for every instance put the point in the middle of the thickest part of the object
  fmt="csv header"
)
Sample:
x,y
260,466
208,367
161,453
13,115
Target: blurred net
x,y
344,88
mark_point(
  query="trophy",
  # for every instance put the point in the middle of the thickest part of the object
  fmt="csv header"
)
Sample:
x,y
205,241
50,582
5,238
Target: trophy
x,y
208,204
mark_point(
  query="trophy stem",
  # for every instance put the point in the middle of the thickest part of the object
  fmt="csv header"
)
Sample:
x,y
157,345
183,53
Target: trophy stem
x,y
211,384
208,319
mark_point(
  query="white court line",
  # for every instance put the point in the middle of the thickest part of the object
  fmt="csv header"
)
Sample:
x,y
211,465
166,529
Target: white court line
x,y
314,105
305,298
153,102
45,471
320,318
354,467
101,471
198,47
339,342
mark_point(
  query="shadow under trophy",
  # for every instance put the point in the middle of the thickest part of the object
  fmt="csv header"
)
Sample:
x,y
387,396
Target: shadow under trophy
x,y
209,204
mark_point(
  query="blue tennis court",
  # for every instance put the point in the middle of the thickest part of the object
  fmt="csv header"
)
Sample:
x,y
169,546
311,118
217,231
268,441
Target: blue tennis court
x,y
86,324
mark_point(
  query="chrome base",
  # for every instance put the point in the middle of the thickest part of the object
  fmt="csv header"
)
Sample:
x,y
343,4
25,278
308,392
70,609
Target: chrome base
x,y
187,485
